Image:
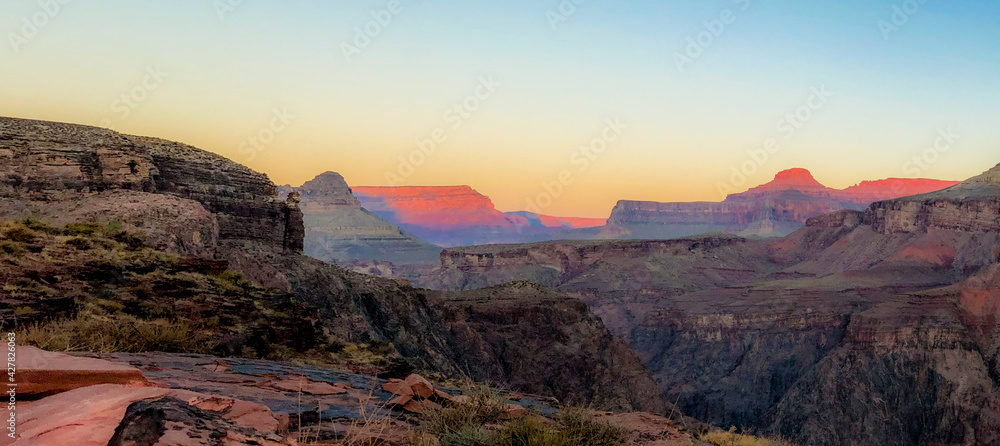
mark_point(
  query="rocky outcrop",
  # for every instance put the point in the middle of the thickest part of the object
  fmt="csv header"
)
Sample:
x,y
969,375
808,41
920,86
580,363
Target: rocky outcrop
x,y
231,218
774,209
339,230
85,168
538,341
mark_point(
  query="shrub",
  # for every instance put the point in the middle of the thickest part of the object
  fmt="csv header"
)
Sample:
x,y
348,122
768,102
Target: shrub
x,y
231,281
12,249
133,242
113,334
482,406
108,306
469,436
113,228
39,226
77,229
21,234
81,244
581,429
731,438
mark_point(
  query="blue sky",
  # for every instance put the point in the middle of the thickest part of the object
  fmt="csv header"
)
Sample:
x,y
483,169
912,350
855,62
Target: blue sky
x,y
686,130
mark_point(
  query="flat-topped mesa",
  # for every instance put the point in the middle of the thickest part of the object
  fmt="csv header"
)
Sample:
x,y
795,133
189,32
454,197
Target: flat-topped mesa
x,y
773,209
434,207
971,206
56,162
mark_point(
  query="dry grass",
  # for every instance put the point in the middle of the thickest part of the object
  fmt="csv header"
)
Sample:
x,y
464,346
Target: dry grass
x,y
734,439
117,333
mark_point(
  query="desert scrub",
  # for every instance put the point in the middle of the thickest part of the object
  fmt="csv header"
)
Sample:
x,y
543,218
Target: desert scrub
x,y
476,420
84,229
20,234
12,249
117,333
232,282
481,406
731,438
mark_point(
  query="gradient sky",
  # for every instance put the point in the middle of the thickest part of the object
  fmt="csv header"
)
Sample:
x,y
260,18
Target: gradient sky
x,y
686,129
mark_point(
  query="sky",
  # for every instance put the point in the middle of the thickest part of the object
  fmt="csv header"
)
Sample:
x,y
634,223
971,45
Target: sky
x,y
558,106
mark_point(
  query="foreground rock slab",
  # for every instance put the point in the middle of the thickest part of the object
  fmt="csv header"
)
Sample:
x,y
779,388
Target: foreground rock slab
x,y
41,373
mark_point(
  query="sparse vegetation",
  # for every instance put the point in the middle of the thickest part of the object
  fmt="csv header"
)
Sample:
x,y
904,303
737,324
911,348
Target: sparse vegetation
x,y
731,438
119,333
88,286
477,420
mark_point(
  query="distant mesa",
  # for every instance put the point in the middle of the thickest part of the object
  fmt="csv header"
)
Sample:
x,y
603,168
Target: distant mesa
x,y
339,230
460,216
775,209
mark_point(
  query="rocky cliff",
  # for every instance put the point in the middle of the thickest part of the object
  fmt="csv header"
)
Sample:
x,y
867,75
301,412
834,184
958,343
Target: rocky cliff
x,y
338,229
461,216
774,209
870,326
85,171
172,236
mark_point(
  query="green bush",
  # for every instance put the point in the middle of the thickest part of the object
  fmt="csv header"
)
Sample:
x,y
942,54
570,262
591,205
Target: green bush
x,y
38,226
77,229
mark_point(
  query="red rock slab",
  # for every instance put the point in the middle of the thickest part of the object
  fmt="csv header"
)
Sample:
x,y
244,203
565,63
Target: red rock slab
x,y
88,416
513,411
41,373
420,386
397,387
309,386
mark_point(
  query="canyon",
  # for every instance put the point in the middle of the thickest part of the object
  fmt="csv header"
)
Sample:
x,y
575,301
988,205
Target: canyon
x,y
870,326
105,230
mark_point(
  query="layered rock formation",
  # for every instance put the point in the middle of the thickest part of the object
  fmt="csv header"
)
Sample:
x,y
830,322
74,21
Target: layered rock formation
x,y
85,170
227,219
872,326
339,230
772,210
461,216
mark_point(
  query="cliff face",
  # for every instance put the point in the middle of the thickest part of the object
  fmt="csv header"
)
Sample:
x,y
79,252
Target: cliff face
x,y
338,229
459,216
871,326
510,333
774,209
220,215
86,169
